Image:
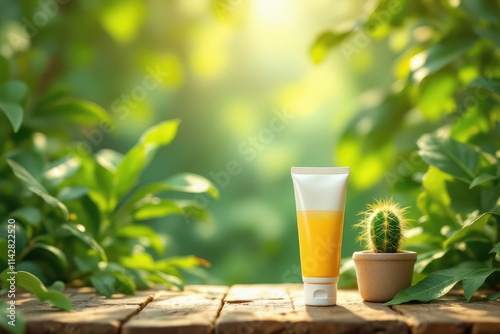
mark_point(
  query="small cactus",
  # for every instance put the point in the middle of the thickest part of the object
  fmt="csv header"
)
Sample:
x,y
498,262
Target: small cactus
x,y
383,225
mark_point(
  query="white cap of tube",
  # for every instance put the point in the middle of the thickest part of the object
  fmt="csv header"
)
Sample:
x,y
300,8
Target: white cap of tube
x,y
320,294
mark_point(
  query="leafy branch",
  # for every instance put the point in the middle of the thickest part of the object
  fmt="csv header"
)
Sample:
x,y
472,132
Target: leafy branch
x,y
444,103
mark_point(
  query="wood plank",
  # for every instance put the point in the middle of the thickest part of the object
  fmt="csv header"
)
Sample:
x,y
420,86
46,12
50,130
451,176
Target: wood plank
x,y
350,315
280,308
94,313
192,311
255,309
453,315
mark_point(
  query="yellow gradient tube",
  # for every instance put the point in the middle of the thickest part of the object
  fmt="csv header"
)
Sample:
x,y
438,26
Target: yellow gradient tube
x,y
320,194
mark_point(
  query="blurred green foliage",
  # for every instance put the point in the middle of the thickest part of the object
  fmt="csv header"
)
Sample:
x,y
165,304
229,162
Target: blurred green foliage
x,y
72,215
243,108
253,104
76,214
445,100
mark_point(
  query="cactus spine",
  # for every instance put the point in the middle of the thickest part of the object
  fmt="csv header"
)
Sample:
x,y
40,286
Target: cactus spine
x,y
383,226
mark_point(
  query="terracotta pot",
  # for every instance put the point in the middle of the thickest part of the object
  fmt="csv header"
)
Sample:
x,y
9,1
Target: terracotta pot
x,y
382,275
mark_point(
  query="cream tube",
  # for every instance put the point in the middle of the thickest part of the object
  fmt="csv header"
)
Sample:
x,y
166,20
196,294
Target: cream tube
x,y
320,194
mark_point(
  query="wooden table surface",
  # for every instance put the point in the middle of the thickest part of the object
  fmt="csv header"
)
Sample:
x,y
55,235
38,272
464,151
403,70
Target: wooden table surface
x,y
244,309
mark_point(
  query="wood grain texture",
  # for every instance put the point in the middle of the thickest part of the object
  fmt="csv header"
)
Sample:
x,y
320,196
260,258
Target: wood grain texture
x,y
256,309
452,315
246,309
350,315
281,309
94,313
191,311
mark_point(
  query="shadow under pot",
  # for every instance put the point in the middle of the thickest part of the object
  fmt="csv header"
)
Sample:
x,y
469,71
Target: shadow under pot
x,y
381,276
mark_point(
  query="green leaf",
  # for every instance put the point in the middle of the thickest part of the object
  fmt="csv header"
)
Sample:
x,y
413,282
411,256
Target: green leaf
x,y
384,19
32,284
27,214
488,34
439,202
76,110
469,117
142,261
491,84
439,55
422,243
449,155
435,202
472,224
14,113
86,263
436,95
20,324
480,10
111,278
324,43
34,162
368,142
195,210
482,180
190,183
51,97
449,196
147,235
475,280
90,215
140,278
13,91
347,274
134,162
57,286
495,249
104,283
104,184
109,159
184,182
183,262
493,296
124,284
78,231
61,170
161,134
35,187
22,238
425,259
435,285
169,280
157,209
112,267
35,269
71,193
47,253
129,170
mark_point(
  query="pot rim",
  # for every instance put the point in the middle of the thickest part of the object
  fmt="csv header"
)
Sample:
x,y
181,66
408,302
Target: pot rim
x,y
370,256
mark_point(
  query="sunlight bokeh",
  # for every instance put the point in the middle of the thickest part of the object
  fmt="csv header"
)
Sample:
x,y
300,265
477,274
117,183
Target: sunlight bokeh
x,y
252,103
